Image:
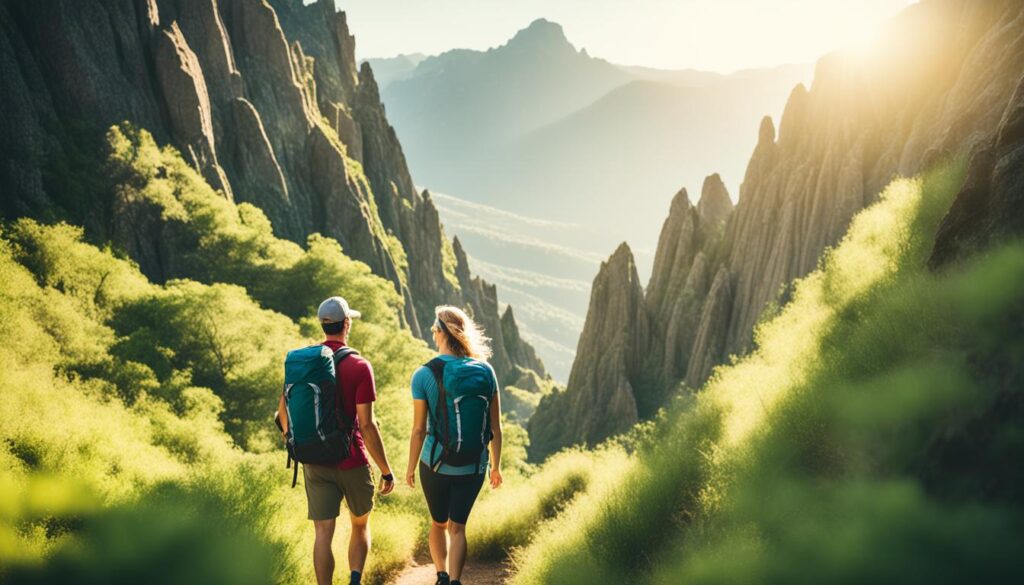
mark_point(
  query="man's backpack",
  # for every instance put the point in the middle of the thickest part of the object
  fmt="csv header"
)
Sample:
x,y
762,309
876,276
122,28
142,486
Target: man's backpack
x,y
461,422
319,431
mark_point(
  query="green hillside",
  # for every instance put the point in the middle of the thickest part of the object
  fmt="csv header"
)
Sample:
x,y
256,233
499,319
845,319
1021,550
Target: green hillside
x,y
130,402
881,408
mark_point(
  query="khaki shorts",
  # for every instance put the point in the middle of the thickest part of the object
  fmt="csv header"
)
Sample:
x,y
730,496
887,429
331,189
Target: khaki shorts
x,y
326,487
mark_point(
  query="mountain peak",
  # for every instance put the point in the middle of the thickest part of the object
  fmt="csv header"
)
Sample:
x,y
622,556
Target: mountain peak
x,y
541,32
715,204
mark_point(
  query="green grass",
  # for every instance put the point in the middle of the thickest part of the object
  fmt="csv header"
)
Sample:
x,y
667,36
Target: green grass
x,y
873,436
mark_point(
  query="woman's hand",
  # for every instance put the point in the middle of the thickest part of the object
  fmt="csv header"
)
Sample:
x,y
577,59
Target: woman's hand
x,y
410,477
496,479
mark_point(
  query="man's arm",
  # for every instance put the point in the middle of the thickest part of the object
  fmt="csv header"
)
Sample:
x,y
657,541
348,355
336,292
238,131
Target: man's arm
x,y
374,444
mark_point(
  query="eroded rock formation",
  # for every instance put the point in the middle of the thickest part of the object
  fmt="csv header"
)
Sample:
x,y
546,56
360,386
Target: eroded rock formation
x,y
600,398
990,205
263,98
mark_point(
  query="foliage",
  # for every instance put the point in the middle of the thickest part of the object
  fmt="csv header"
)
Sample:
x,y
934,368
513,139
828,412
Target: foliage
x,y
871,437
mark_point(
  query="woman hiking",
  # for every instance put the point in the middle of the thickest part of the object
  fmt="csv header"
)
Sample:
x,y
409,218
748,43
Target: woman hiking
x,y
456,421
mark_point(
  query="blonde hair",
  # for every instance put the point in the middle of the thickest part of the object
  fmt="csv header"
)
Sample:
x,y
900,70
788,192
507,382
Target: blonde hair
x,y
465,338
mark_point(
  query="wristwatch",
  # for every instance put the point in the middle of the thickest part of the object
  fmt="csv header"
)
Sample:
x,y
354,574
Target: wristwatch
x,y
388,477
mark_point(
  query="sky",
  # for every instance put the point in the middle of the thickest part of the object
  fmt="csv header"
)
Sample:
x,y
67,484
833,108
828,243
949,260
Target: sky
x,y
712,35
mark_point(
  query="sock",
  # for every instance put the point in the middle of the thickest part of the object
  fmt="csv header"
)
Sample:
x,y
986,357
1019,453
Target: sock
x,y
357,578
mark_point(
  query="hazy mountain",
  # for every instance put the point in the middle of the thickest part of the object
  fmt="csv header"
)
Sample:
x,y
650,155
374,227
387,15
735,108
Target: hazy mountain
x,y
539,126
462,101
388,69
637,145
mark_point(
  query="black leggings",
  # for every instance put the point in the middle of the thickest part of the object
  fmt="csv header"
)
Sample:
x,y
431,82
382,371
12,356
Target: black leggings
x,y
450,497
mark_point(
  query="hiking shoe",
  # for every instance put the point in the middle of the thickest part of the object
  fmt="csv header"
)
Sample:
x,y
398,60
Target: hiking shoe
x,y
442,579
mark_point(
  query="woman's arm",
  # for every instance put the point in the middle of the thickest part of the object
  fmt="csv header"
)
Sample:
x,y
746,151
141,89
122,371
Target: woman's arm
x,y
282,416
496,478
416,438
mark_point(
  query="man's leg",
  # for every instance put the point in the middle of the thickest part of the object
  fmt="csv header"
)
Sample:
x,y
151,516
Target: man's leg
x,y
439,545
323,558
457,549
359,542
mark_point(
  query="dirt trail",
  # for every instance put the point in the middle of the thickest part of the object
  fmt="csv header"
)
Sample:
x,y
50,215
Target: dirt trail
x,y
475,573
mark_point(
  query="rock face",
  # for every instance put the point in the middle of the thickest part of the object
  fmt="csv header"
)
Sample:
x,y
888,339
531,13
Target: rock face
x,y
990,205
936,86
600,398
262,97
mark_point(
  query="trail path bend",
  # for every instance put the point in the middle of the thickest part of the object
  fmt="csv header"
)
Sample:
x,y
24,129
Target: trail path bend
x,y
475,573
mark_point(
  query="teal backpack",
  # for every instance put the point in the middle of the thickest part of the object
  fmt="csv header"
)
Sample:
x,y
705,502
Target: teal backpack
x,y
461,424
319,433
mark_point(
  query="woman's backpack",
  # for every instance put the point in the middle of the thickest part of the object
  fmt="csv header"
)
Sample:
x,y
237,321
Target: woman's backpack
x,y
319,432
461,421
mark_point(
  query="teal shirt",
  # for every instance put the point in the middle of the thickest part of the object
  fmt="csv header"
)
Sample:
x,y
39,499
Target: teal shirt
x,y
424,387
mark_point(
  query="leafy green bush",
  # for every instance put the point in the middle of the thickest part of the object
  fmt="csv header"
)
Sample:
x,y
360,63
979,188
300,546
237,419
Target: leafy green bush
x,y
212,240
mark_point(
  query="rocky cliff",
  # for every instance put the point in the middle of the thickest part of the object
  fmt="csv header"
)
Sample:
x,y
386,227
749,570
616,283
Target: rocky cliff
x,y
935,86
601,396
990,205
263,98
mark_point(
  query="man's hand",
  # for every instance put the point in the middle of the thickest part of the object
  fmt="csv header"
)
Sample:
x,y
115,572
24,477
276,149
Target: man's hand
x,y
496,479
387,485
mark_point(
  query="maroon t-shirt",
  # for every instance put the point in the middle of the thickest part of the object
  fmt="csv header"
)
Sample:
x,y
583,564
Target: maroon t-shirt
x,y
355,386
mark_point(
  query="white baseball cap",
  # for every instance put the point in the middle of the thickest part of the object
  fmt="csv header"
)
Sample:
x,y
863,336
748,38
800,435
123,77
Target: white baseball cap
x,y
336,310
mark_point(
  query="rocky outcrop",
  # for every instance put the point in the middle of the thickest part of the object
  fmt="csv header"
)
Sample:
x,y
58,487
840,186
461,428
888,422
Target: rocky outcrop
x,y
519,351
188,104
990,205
715,205
600,398
709,338
263,98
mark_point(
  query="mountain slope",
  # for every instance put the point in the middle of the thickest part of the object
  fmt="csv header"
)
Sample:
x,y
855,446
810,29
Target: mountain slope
x,y
866,119
460,101
644,137
264,99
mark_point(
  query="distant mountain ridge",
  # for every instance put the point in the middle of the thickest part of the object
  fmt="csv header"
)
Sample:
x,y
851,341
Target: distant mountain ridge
x,y
537,121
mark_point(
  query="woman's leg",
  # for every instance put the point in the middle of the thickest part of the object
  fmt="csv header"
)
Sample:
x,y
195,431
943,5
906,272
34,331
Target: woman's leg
x,y
438,546
457,549
465,489
437,490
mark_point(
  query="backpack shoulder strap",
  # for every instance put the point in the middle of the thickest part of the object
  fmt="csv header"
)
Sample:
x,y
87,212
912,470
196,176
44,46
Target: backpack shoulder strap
x,y
436,367
342,353
340,356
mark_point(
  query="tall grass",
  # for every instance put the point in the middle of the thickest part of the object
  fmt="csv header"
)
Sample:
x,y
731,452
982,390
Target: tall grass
x,y
871,437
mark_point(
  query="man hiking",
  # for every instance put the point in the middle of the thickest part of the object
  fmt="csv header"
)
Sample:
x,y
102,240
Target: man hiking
x,y
349,479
